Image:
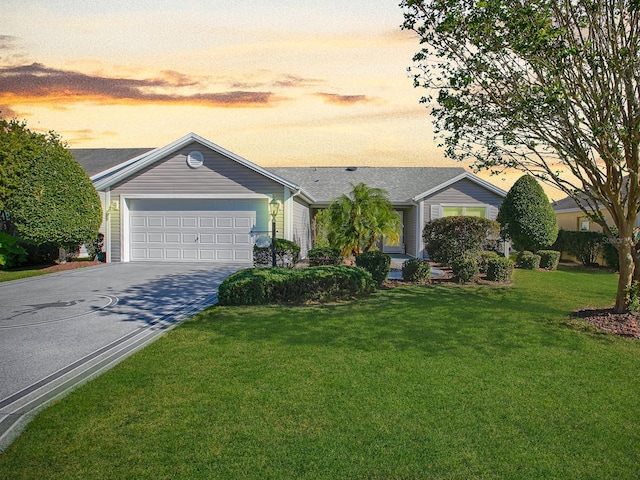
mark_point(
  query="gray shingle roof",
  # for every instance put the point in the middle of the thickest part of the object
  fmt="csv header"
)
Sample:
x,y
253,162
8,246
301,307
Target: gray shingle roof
x,y
96,160
401,183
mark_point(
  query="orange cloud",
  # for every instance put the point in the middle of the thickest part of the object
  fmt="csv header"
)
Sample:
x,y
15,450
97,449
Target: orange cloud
x,y
336,99
38,84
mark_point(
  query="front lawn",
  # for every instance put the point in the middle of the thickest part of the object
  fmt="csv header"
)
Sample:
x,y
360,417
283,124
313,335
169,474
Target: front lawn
x,y
417,382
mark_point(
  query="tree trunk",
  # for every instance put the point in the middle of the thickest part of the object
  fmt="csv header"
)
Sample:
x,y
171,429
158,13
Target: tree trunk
x,y
626,272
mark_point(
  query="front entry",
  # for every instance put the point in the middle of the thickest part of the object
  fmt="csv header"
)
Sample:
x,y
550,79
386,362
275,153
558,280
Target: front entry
x,y
399,248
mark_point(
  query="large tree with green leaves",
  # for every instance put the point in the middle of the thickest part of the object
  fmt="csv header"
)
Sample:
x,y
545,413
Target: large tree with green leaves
x,y
357,221
46,195
550,87
526,216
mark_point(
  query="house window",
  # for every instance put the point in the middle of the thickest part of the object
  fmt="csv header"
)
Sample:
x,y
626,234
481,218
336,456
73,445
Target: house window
x,y
464,211
583,224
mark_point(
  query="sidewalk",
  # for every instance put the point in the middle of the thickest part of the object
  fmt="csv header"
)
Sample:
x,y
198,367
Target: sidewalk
x,y
397,259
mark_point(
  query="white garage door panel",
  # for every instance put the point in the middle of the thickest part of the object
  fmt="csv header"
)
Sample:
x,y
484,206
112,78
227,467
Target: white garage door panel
x,y
193,230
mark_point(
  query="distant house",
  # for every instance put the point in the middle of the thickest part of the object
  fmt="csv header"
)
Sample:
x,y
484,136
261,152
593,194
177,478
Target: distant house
x,y
192,200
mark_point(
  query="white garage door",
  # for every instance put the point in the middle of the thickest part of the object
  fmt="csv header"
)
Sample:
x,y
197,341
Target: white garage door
x,y
193,230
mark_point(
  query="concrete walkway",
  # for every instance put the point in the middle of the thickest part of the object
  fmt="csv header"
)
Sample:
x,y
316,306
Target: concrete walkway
x,y
397,259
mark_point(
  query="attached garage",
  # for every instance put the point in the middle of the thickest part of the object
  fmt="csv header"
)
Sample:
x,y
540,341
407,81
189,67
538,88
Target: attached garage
x,y
194,229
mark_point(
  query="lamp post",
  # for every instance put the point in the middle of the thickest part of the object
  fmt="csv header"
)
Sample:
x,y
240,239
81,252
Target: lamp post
x,y
274,206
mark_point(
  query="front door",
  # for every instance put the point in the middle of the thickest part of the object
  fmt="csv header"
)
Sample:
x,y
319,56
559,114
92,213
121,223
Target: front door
x,y
399,248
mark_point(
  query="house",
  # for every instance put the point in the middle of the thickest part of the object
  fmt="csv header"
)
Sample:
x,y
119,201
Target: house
x,y
192,200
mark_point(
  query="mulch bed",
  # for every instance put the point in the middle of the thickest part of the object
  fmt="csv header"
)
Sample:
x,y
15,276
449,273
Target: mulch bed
x,y
61,267
624,324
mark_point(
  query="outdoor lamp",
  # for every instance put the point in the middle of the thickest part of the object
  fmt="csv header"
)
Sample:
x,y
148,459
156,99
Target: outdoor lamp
x,y
274,206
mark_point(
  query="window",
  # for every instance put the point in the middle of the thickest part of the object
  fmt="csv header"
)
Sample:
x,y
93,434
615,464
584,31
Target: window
x,y
464,211
583,224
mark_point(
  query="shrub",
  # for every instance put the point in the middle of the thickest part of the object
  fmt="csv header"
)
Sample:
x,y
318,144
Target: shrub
x,y
376,263
287,254
611,255
549,259
500,269
465,269
527,217
483,259
324,256
449,238
528,260
585,246
257,286
633,298
11,254
416,270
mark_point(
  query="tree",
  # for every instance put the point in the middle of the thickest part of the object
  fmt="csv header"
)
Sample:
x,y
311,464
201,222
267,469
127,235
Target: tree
x,y
526,216
47,196
549,87
356,222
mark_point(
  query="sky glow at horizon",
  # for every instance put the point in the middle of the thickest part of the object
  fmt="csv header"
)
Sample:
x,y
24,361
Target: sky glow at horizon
x,y
280,82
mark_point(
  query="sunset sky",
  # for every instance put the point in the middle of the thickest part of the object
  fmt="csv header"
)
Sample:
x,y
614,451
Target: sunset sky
x,y
279,82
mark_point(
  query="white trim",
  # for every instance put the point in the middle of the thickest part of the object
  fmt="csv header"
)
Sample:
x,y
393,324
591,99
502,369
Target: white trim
x,y
196,196
288,214
107,224
468,176
420,224
125,254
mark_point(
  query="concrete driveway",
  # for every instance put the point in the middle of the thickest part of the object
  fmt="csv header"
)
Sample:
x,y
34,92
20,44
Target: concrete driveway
x,y
59,330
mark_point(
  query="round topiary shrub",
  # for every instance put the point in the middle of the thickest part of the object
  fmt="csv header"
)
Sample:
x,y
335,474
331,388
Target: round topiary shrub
x,y
500,269
483,259
528,260
549,259
416,270
378,264
324,256
465,269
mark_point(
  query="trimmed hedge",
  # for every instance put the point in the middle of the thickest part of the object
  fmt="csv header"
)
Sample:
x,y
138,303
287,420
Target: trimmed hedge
x,y
449,238
287,254
324,256
376,263
585,246
500,269
416,270
259,286
465,269
528,260
483,259
549,259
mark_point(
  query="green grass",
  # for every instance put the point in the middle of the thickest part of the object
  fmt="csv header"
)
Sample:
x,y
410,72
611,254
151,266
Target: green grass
x,y
7,275
418,382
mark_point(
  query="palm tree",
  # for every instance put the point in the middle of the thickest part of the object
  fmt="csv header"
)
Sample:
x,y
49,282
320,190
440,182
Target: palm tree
x,y
358,220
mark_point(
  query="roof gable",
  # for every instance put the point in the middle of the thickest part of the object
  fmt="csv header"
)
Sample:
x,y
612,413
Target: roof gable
x,y
463,176
130,168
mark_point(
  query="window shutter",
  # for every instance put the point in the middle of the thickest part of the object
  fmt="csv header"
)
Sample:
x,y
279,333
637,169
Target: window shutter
x,y
435,212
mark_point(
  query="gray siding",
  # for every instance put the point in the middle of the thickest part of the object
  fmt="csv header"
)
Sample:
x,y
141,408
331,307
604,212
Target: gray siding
x,y
301,226
465,192
410,228
218,175
115,238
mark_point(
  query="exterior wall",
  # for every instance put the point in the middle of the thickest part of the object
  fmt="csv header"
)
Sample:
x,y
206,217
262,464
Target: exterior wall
x,y
462,193
574,221
302,226
218,176
410,231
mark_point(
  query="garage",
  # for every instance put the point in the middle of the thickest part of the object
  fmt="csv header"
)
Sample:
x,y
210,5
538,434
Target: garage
x,y
194,229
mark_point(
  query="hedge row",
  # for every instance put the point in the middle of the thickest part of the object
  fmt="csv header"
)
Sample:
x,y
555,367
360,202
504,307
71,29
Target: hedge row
x,y
259,286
